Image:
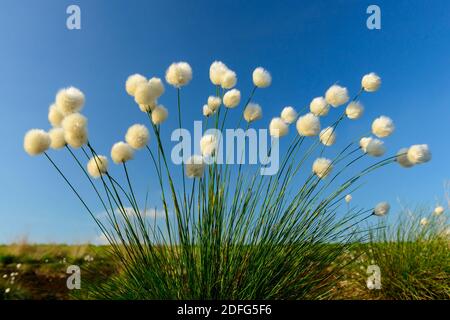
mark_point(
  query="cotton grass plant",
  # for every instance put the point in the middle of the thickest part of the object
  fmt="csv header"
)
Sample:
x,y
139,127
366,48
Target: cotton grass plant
x,y
412,254
229,232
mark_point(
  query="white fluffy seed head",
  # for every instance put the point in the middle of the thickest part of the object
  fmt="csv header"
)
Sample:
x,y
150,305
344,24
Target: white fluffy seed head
x,y
121,152
289,115
179,74
133,82
137,136
424,222
322,167
147,92
195,166
419,153
159,114
319,106
143,94
69,100
55,117
148,107
97,166
308,125
229,79
75,130
232,98
402,158
57,138
375,148
371,82
76,139
207,111
364,142
252,112
328,136
381,209
36,141
383,127
214,103
354,110
156,87
278,128
261,78
348,198
336,95
438,210
74,122
208,145
216,72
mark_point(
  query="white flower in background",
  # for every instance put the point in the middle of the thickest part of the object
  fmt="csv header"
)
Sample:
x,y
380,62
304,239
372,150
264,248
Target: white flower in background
x,y
319,106
75,130
179,74
438,210
159,114
424,222
121,152
216,72
381,209
148,107
383,127
133,82
322,167
57,138
55,117
289,115
336,95
36,141
7,290
354,110
402,158
371,82
97,166
348,198
208,144
252,112
232,98
308,125
229,79
18,266
214,103
137,136
375,148
207,111
195,166
261,78
419,153
69,100
328,136
278,128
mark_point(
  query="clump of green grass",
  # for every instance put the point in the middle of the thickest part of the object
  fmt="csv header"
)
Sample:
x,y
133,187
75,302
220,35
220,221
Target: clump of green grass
x,y
413,257
226,234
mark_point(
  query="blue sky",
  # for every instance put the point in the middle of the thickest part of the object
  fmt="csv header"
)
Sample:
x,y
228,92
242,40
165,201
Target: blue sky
x,y
307,46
